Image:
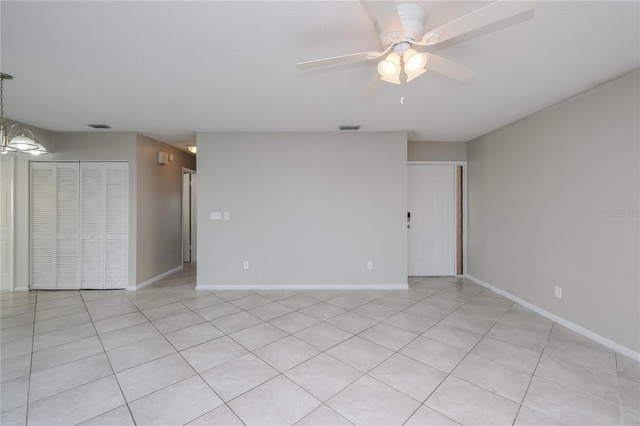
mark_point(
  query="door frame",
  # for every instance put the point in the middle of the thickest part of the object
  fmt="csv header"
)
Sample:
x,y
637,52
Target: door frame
x,y
192,204
465,203
9,161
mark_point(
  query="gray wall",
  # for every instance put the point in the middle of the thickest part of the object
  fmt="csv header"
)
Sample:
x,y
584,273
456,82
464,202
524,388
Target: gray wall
x,y
80,146
305,209
159,230
437,151
544,195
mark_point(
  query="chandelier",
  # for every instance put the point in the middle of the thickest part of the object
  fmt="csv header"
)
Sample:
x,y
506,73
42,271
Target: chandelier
x,y
17,138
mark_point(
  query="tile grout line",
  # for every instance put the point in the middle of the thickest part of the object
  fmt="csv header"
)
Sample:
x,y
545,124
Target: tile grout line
x,y
420,404
110,366
620,405
534,373
252,352
226,403
287,334
343,341
115,330
197,373
463,358
33,338
574,389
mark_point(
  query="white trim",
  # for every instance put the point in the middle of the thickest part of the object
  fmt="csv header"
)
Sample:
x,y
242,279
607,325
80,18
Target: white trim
x,y
22,289
455,163
191,172
465,203
154,279
11,244
303,287
566,323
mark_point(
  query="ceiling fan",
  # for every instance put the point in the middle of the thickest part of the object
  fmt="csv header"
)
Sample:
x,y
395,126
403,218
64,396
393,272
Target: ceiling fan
x,y
401,30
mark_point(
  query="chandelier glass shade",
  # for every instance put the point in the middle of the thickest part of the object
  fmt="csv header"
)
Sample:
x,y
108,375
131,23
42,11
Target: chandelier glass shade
x,y
17,138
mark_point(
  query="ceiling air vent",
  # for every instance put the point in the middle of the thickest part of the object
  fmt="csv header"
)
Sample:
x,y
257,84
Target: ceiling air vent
x,y
349,127
99,126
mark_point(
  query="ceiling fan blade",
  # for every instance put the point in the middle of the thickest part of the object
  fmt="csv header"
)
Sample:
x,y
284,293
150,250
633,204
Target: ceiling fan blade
x,y
497,11
341,60
448,68
388,22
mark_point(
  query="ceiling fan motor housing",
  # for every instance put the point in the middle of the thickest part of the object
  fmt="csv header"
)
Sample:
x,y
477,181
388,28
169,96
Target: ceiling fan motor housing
x,y
412,17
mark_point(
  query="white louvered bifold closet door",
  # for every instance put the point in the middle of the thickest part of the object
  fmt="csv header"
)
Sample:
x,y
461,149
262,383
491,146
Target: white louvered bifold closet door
x,y
92,225
104,224
79,225
54,226
116,233
42,226
67,248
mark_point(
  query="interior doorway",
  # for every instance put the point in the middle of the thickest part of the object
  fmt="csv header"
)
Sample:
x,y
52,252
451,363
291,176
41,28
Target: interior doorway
x,y
435,219
189,223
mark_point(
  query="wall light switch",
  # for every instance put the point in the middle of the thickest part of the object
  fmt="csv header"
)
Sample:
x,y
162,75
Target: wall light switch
x,y
226,215
370,265
216,216
558,292
245,264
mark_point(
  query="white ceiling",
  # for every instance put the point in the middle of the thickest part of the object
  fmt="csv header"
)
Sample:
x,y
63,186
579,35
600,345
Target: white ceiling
x,y
174,68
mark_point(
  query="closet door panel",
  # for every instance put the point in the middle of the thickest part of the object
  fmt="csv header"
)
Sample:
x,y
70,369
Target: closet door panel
x,y
92,184
42,220
67,227
117,225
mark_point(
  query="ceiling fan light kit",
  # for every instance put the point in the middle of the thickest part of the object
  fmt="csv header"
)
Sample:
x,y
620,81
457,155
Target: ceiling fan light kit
x,y
390,67
17,138
414,61
401,29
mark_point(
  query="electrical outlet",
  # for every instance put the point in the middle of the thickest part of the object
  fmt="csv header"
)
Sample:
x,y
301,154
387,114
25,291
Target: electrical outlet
x,y
558,292
369,265
215,216
226,215
245,264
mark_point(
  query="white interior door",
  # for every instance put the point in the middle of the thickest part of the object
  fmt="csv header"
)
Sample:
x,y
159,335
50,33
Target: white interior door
x,y
6,223
432,226
186,217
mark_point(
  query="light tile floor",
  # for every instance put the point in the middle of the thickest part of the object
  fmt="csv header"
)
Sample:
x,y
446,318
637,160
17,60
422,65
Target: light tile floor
x,y
444,352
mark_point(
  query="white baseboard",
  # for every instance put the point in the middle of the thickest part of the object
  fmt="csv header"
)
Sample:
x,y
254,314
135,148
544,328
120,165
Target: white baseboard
x,y
303,287
154,279
566,323
26,288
